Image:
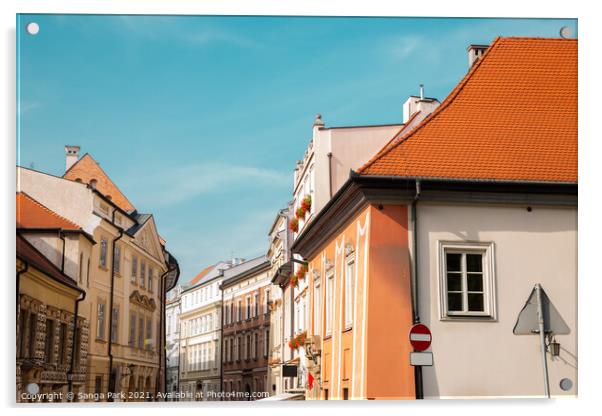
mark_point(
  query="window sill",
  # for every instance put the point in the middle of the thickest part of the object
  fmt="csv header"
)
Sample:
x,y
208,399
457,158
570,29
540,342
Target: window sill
x,y
327,337
468,318
347,329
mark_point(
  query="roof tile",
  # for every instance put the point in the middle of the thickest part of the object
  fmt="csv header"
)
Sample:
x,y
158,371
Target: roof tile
x,y
513,117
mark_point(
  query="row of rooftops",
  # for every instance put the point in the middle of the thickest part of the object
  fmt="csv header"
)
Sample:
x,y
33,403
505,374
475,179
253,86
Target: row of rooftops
x,y
512,118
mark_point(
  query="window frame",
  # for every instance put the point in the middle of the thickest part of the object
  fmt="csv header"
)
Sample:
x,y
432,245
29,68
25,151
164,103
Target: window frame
x,y
328,298
487,250
349,263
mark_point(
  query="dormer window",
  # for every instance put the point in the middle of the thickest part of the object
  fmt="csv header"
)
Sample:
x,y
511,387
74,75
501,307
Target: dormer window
x,y
93,183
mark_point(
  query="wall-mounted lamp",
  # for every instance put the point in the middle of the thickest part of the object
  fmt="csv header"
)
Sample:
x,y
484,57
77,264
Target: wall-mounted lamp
x,y
554,347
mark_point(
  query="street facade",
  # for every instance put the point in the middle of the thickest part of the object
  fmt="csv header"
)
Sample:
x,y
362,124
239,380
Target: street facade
x,y
87,228
460,216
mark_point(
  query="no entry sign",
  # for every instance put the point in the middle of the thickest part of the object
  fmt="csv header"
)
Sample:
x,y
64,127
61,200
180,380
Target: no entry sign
x,y
420,337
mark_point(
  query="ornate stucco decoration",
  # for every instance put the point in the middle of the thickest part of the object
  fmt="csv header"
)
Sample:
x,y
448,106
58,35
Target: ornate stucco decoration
x,y
143,301
349,249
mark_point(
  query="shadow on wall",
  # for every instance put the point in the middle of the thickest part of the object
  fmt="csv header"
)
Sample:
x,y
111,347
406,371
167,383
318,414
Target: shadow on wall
x,y
54,252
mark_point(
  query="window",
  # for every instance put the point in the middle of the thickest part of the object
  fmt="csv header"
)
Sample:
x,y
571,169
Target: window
x,y
256,305
149,333
103,252
248,310
63,344
317,300
132,337
134,268
150,279
349,284
100,321
33,323
266,343
115,324
142,273
248,349
267,301
49,347
239,310
141,332
329,290
466,280
256,345
117,259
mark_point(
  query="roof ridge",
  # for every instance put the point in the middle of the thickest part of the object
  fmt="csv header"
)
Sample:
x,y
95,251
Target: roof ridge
x,y
44,207
444,105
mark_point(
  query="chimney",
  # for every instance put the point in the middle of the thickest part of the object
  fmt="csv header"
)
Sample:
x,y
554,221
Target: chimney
x,y
71,156
420,103
475,52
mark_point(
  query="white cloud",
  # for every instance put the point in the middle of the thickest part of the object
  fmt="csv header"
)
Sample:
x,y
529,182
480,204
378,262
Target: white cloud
x,y
401,47
174,185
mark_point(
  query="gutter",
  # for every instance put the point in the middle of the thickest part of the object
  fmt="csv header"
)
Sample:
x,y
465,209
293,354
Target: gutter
x,y
418,382
110,340
74,344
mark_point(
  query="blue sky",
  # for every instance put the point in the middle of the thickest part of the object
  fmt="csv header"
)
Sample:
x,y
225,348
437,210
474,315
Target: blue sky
x,y
199,120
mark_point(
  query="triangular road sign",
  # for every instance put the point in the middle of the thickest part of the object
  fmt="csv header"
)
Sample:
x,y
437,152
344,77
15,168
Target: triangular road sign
x,y
528,324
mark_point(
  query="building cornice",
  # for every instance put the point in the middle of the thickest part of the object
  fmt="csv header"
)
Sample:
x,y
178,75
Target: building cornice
x,y
362,190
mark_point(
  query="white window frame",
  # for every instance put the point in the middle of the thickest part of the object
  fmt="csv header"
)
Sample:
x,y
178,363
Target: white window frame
x,y
349,289
328,298
317,298
487,250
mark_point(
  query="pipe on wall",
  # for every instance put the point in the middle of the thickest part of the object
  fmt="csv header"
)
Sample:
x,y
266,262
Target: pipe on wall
x,y
74,342
110,340
414,286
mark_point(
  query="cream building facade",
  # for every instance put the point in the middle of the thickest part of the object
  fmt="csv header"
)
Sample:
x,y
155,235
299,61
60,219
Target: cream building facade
x,y
200,329
124,275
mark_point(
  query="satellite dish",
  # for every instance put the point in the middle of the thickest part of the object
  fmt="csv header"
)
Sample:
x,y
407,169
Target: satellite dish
x,y
565,32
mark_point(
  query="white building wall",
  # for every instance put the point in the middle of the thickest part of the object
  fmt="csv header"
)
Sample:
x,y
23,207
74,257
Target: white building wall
x,y
483,358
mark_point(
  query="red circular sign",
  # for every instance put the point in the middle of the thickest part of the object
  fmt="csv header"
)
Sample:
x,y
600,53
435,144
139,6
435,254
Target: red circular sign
x,y
420,337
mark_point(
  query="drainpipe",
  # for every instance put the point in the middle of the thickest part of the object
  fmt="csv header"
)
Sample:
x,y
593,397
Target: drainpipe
x,y
62,237
414,287
110,353
161,336
74,343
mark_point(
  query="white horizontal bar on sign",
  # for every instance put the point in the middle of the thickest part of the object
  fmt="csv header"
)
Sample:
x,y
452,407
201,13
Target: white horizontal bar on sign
x,y
420,337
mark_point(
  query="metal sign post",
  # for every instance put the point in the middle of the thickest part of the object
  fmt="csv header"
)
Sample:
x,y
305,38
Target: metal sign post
x,y
539,316
542,338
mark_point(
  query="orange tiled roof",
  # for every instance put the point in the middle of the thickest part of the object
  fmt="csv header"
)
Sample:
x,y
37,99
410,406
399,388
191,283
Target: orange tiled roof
x,y
513,117
199,276
87,169
32,214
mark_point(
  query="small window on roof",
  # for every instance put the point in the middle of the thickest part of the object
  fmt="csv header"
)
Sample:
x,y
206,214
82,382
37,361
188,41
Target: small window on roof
x,y
78,180
93,183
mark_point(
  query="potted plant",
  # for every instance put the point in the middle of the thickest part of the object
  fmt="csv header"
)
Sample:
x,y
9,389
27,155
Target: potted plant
x,y
306,203
294,225
300,213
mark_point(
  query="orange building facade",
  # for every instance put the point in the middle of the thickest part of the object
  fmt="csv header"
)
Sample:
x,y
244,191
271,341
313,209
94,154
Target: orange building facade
x,y
360,312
